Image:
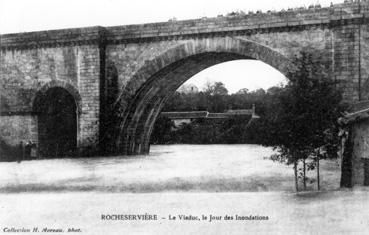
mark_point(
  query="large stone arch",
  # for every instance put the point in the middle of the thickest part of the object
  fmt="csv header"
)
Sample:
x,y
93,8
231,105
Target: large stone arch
x,y
142,98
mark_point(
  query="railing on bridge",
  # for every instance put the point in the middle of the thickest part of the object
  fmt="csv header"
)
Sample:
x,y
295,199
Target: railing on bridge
x,y
207,115
188,117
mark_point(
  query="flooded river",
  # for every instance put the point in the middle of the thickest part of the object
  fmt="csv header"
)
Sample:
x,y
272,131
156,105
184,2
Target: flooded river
x,y
211,168
175,182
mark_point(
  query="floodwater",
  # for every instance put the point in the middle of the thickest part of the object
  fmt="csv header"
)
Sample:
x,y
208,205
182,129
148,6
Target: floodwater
x,y
210,168
197,181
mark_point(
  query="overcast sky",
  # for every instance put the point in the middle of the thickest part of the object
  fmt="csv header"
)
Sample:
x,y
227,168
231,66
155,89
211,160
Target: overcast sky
x,y
34,15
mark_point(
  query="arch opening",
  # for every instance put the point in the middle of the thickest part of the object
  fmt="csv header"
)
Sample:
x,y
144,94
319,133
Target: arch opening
x,y
57,123
152,85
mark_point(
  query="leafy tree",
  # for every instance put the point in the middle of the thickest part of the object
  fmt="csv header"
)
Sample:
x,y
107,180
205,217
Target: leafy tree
x,y
216,94
305,123
219,89
215,99
242,91
162,133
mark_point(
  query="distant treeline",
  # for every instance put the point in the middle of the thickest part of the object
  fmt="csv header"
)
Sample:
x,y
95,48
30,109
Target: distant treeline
x,y
215,98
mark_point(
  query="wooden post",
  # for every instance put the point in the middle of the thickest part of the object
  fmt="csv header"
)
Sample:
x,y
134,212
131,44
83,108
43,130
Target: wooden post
x,y
317,171
366,171
296,179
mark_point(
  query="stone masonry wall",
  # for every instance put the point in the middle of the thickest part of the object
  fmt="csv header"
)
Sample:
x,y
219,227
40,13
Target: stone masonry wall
x,y
129,58
364,61
14,129
360,140
89,88
346,60
24,72
341,45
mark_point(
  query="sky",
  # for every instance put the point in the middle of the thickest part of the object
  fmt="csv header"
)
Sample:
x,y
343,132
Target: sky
x,y
35,15
238,74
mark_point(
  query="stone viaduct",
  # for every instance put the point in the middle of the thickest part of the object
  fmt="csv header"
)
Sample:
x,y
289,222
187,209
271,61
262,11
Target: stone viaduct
x,y
105,86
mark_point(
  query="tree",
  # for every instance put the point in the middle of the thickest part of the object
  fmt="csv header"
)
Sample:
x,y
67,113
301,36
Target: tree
x,y
216,96
305,124
219,89
242,91
162,131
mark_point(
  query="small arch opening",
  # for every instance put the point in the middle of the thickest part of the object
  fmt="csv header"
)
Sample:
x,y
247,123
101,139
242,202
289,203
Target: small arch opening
x,y
57,123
